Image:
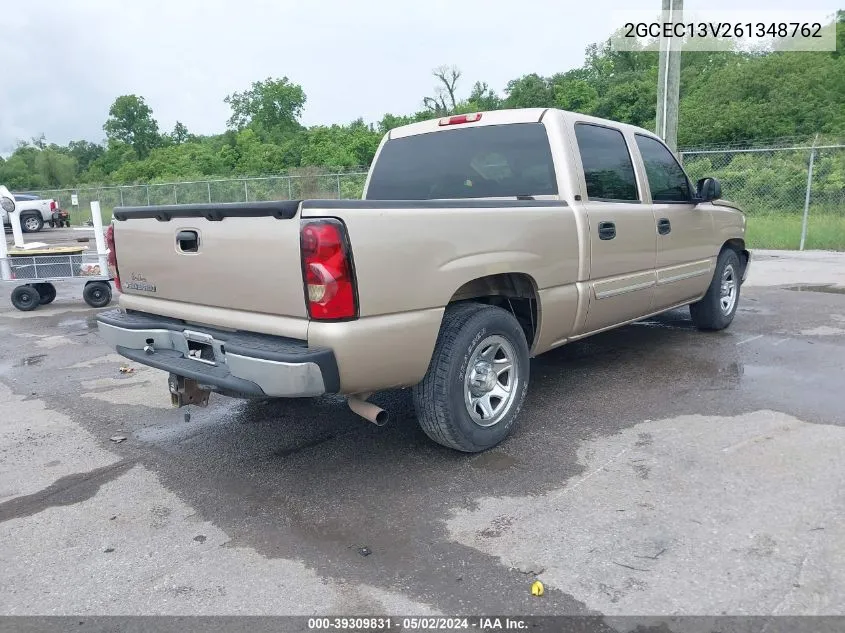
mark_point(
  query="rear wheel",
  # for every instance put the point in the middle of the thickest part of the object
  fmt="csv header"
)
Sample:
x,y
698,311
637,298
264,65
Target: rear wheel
x,y
32,223
47,292
97,294
477,380
717,308
26,298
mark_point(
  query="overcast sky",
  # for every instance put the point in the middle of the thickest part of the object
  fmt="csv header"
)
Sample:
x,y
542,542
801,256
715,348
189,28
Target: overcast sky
x,y
62,63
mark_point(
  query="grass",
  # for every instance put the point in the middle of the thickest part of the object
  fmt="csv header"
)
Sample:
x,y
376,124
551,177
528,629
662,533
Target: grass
x,y
824,232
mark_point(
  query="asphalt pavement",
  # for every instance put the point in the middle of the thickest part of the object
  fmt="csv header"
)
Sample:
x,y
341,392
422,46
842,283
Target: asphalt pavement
x,y
656,469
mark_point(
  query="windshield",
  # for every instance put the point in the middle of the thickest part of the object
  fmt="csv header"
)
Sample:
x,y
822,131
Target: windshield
x,y
479,162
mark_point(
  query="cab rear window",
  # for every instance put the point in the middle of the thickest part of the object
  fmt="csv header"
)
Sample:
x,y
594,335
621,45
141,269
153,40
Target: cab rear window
x,y
495,161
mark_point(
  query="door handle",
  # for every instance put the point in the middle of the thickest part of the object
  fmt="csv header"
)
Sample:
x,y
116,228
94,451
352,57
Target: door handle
x,y
188,241
664,226
607,230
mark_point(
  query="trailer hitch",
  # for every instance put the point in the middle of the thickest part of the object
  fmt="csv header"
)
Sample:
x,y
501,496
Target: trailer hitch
x,y
185,391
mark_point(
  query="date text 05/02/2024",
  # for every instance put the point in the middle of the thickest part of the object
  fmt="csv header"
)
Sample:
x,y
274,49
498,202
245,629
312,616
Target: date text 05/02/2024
x,y
417,623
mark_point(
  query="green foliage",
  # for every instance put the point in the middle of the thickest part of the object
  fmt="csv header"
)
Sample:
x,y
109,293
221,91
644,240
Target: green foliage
x,y
530,91
774,182
390,121
54,167
18,171
341,146
575,95
180,133
131,121
483,97
782,94
272,107
85,153
726,97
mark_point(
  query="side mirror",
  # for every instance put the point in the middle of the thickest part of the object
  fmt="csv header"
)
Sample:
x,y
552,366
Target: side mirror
x,y
7,201
708,189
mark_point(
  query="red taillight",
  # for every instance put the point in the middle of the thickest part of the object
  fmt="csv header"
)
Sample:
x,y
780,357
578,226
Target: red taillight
x,y
461,118
113,272
327,272
53,205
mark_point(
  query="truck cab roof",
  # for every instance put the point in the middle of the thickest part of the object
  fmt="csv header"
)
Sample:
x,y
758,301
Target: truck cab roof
x,y
505,117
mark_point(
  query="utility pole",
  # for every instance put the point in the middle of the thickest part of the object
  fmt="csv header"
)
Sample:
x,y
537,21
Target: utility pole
x,y
669,77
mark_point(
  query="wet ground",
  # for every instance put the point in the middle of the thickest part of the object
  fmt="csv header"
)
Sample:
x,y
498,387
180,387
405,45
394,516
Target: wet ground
x,y
656,469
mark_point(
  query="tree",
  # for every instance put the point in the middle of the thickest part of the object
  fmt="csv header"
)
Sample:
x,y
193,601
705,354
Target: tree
x,y
444,100
56,169
84,153
771,95
18,171
180,133
390,121
530,91
483,97
271,107
341,145
782,94
575,95
131,121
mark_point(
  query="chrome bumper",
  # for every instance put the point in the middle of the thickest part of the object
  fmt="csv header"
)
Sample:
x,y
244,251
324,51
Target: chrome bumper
x,y
239,363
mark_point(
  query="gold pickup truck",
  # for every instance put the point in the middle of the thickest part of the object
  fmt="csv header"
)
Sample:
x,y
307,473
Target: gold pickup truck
x,y
481,240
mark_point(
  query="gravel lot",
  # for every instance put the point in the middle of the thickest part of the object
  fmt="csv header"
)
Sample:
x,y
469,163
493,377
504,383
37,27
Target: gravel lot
x,y
656,469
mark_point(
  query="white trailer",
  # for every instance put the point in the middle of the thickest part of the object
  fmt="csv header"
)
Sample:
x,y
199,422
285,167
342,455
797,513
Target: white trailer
x,y
34,269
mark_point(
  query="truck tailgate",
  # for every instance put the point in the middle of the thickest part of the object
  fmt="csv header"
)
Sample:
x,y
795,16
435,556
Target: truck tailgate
x,y
246,256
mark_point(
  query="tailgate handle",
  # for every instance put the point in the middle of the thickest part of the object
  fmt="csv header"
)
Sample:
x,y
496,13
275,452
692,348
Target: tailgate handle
x,y
188,241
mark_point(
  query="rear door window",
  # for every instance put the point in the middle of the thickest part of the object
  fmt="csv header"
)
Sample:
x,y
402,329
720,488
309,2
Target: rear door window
x,y
608,168
494,161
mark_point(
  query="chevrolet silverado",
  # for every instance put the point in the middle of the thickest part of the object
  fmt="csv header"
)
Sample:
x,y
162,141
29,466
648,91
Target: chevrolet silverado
x,y
481,240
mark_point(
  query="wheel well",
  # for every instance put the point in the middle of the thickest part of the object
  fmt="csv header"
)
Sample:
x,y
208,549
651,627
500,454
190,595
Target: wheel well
x,y
738,246
516,292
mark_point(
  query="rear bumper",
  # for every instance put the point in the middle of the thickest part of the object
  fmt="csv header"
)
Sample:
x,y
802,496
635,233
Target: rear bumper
x,y
236,363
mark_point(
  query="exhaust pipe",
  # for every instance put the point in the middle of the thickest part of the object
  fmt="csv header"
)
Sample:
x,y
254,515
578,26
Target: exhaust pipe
x,y
367,410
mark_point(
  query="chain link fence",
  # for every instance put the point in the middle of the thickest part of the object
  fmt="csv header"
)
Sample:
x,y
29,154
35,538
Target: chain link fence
x,y
292,187
773,186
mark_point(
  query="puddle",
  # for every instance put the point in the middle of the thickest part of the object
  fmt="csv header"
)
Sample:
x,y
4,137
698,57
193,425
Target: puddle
x,y
285,452
30,360
494,461
827,288
71,323
88,323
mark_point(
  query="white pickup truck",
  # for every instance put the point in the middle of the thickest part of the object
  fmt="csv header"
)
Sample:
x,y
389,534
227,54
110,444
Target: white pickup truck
x,y
35,212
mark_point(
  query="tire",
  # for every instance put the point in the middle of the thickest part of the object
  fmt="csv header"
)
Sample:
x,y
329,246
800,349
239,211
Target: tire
x,y
97,294
32,223
47,292
716,310
26,298
444,399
